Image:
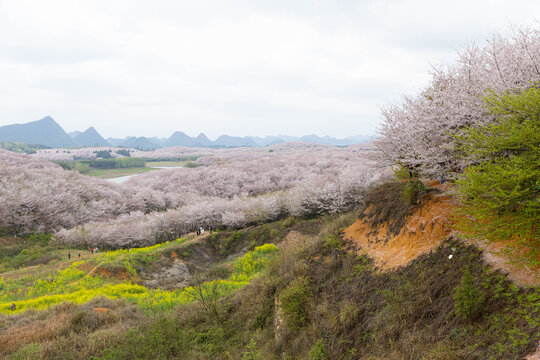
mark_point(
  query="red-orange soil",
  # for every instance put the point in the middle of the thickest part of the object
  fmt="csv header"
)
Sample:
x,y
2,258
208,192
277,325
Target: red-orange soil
x,y
102,310
422,232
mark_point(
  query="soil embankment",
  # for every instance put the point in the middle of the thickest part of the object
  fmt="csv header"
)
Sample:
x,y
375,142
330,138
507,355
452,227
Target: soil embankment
x,y
422,232
424,228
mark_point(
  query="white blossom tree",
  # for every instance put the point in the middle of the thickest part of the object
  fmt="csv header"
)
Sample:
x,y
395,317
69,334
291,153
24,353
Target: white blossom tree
x,y
420,130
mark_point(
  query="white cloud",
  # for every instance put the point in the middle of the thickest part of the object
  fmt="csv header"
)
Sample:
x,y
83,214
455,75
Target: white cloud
x,y
238,67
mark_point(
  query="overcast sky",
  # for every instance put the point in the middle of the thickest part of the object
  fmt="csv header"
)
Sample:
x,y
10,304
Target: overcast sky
x,y
148,68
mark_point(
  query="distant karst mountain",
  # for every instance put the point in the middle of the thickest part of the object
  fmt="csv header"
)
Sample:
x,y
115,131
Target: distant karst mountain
x,y
91,138
74,133
115,141
43,132
141,143
178,138
159,141
203,141
233,141
48,133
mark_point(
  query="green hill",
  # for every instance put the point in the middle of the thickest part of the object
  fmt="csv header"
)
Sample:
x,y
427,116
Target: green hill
x,y
21,147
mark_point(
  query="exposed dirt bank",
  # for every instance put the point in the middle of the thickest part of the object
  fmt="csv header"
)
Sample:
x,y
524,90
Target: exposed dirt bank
x,y
423,230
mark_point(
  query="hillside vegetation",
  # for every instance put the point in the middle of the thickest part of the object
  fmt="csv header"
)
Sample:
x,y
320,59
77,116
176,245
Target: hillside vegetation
x,y
319,298
479,122
316,252
21,147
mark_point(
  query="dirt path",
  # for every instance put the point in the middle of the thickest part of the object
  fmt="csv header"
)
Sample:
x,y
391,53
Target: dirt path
x,y
520,274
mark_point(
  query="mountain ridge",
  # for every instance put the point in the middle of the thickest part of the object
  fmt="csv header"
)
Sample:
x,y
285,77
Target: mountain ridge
x,y
45,131
49,133
90,137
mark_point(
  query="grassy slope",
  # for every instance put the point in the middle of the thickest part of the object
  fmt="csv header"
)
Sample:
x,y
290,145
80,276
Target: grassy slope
x,y
40,271
335,305
115,274
330,303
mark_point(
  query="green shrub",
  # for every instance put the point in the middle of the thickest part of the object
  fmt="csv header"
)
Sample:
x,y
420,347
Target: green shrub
x,y
333,241
294,302
317,351
66,165
123,152
21,147
348,313
231,241
41,238
191,165
218,271
252,353
412,192
468,297
30,351
500,195
401,172
103,154
81,167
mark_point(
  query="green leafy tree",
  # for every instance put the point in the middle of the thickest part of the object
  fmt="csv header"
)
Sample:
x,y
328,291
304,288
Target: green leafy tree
x,y
468,297
500,195
103,154
124,152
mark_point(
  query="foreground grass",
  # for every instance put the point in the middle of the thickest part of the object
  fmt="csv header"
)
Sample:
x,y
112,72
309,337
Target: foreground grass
x,y
49,324
334,304
78,284
317,299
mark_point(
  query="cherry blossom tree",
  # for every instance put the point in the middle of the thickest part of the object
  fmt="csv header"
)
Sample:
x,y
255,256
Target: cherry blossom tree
x,y
420,131
237,187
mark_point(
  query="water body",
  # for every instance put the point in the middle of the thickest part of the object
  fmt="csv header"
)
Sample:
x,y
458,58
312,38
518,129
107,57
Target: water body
x,y
121,179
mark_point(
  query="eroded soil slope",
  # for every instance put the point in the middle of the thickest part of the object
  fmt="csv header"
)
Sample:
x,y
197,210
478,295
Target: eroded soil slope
x,y
423,228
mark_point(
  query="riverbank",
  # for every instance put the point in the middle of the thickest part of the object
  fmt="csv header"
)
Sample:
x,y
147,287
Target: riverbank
x,y
120,172
114,173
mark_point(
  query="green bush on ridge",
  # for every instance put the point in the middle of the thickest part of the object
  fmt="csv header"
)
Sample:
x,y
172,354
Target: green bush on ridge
x,y
500,195
294,302
468,297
